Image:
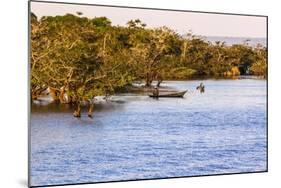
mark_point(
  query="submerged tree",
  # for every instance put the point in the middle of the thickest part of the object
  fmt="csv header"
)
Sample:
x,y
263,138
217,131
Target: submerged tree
x,y
68,56
77,58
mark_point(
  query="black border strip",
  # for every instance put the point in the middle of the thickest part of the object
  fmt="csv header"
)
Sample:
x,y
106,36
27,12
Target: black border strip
x,y
86,4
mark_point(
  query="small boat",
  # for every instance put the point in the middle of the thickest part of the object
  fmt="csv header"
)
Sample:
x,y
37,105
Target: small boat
x,y
176,94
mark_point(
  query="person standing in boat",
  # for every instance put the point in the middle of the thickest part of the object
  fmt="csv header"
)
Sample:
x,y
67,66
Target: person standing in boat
x,y
156,92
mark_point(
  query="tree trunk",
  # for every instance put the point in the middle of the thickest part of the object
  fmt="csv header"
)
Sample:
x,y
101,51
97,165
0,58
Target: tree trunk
x,y
61,96
54,93
149,80
91,109
159,82
77,112
37,92
159,79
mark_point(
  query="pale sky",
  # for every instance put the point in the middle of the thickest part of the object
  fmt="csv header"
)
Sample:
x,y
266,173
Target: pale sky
x,y
204,24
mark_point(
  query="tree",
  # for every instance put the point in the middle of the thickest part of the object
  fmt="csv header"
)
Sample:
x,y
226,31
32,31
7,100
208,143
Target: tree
x,y
259,67
150,48
66,57
77,58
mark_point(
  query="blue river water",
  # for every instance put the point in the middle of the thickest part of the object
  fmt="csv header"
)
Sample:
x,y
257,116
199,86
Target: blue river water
x,y
220,131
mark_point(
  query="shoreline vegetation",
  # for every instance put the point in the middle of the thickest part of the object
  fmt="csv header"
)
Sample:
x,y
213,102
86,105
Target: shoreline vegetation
x,y
75,59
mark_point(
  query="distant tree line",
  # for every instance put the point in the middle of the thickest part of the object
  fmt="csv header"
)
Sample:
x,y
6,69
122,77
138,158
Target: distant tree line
x,y
78,58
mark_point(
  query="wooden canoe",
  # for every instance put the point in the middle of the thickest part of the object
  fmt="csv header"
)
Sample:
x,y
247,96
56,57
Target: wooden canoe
x,y
176,94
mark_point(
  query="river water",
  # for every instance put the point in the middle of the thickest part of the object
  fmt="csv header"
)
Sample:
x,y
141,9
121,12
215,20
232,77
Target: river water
x,y
220,131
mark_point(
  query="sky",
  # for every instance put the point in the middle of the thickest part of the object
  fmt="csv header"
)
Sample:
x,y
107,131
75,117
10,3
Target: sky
x,y
204,24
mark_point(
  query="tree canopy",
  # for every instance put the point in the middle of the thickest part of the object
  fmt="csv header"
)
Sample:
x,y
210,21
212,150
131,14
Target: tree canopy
x,y
81,57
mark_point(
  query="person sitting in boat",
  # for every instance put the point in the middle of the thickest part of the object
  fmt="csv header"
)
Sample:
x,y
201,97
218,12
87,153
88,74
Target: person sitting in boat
x,y
201,88
156,92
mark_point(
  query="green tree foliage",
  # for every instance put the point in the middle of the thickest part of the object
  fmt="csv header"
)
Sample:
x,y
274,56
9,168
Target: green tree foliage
x,y
259,66
65,55
79,58
151,48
